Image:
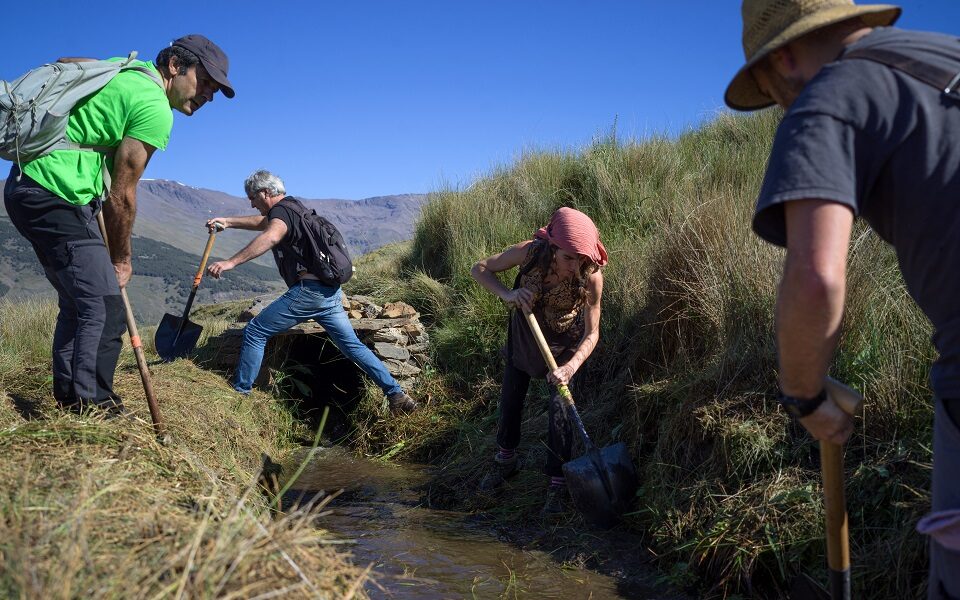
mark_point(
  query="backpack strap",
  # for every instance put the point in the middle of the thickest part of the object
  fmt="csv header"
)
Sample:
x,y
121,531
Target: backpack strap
x,y
946,81
303,212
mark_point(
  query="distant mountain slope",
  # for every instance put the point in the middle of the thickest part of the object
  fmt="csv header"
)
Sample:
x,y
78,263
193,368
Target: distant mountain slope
x,y
175,213
169,236
163,276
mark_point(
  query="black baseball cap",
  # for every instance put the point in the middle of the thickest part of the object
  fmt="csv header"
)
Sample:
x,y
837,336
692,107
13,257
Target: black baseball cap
x,y
213,59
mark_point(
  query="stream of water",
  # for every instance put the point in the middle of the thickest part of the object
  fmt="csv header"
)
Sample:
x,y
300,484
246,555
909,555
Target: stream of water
x,y
424,553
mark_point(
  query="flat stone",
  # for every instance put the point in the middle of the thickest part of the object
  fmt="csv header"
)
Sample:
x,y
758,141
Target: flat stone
x,y
354,314
418,348
392,310
401,369
386,350
390,335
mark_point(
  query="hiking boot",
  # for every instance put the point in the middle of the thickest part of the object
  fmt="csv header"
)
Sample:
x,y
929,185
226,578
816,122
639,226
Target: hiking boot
x,y
499,473
402,403
557,502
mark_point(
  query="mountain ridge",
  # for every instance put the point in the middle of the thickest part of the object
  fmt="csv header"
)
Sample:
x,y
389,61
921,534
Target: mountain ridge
x,y
169,235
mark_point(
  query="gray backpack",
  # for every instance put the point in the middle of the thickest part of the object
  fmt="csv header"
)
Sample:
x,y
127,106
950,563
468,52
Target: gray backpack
x,y
34,108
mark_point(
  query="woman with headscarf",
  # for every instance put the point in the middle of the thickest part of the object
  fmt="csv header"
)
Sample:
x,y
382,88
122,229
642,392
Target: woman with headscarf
x,y
559,280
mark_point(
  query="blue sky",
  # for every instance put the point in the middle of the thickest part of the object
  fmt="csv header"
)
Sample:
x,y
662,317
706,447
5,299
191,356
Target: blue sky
x,y
364,98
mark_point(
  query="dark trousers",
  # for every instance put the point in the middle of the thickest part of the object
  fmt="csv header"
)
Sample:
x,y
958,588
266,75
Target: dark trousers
x,y
559,434
68,244
944,581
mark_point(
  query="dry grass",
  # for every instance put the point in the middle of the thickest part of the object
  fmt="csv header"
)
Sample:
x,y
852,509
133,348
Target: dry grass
x,y
101,509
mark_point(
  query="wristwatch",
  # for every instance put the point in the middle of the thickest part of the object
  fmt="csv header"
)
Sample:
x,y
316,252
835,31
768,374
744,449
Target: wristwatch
x,y
801,407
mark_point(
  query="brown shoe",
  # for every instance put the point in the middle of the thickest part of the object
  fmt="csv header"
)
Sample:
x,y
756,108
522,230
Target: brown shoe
x,y
401,403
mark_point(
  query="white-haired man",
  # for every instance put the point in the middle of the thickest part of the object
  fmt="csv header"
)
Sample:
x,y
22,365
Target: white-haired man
x,y
282,231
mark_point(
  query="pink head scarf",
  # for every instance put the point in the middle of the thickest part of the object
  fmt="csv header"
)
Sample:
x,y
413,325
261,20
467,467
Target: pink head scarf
x,y
573,231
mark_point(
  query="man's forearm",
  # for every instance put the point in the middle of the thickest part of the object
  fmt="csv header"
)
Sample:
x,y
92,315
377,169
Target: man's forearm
x,y
255,248
253,222
809,313
118,215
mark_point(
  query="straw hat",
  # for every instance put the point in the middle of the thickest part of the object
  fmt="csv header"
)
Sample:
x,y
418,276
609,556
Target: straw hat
x,y
770,24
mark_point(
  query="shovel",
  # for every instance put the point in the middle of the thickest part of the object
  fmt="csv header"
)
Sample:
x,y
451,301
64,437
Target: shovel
x,y
603,481
137,347
838,541
177,336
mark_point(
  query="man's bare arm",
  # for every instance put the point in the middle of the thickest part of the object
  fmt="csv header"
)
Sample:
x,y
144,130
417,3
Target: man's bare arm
x,y
129,162
810,306
271,236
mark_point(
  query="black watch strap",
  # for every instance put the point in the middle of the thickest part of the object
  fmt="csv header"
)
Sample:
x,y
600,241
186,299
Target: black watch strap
x,y
801,407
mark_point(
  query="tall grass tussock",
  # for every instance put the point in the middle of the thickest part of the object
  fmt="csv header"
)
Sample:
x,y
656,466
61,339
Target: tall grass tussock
x,y
685,371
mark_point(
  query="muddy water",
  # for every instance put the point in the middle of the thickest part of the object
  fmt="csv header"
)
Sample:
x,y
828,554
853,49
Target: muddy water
x,y
422,553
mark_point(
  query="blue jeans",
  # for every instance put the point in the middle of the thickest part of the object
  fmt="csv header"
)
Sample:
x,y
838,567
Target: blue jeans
x,y
308,299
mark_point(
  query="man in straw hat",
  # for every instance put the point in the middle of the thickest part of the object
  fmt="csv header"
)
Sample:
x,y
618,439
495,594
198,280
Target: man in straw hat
x,y
872,128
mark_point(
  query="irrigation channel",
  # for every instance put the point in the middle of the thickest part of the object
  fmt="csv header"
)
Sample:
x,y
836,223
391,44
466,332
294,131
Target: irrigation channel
x,y
423,553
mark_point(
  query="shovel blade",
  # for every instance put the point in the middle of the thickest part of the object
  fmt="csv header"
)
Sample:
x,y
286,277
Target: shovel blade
x,y
603,485
805,588
170,345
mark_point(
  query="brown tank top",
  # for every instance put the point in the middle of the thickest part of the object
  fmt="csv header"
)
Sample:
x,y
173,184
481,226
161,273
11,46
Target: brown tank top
x,y
559,310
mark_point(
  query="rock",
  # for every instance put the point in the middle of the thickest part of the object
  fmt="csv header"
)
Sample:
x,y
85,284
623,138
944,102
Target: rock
x,y
371,311
390,335
400,369
418,348
256,307
421,359
392,310
386,350
354,314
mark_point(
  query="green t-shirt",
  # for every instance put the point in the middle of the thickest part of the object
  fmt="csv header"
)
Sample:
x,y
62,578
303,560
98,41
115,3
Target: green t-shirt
x,y
131,105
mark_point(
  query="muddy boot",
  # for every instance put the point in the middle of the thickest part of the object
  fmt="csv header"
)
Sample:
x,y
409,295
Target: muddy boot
x,y
557,502
402,403
502,470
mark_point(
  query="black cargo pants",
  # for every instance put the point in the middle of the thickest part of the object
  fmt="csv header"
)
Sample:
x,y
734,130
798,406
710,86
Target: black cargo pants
x,y
67,241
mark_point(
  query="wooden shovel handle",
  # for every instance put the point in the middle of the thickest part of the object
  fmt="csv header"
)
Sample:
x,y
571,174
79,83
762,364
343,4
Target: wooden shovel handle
x,y
834,500
137,346
547,355
206,255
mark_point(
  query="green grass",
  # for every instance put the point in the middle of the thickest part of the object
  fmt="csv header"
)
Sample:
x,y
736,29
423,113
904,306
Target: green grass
x,y
685,371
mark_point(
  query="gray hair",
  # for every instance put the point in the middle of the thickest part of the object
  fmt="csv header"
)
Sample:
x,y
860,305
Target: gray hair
x,y
264,180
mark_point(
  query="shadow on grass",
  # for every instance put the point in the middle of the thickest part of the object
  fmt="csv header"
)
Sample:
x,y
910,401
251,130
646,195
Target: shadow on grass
x,y
28,408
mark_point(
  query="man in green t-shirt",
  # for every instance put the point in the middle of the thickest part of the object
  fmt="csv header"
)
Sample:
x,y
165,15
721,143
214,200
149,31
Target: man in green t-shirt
x,y
53,202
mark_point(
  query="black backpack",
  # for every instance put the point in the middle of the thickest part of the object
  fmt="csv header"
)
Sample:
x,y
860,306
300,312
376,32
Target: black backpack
x,y
323,252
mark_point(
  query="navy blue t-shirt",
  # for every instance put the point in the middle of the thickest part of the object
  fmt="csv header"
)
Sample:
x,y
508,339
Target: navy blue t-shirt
x,y
888,146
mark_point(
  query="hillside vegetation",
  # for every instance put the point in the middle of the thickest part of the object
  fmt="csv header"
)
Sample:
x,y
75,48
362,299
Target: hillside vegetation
x,y
730,495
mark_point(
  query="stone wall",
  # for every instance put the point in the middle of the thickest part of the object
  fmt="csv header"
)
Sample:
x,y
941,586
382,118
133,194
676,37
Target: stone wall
x,y
393,331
